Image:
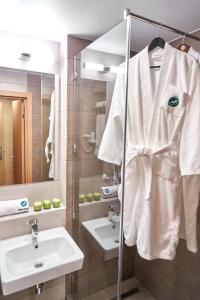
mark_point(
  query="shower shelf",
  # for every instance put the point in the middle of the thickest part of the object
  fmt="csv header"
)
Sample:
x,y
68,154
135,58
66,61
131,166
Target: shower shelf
x,y
102,200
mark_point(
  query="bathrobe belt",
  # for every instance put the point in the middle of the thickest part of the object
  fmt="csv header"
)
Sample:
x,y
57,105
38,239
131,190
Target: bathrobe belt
x,y
134,152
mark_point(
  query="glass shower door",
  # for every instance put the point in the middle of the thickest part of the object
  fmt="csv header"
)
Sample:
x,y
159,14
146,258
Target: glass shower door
x,y
96,204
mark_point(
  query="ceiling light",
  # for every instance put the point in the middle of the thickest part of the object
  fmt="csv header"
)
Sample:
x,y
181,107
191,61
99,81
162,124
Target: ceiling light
x,y
94,66
100,67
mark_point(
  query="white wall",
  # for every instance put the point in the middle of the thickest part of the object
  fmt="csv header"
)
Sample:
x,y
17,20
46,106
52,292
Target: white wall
x,y
45,55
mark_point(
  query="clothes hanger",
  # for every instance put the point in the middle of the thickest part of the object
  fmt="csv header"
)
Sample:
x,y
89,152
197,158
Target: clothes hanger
x,y
183,46
156,42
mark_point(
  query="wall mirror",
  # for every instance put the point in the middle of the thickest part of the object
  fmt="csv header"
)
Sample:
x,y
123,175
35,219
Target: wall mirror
x,y
27,127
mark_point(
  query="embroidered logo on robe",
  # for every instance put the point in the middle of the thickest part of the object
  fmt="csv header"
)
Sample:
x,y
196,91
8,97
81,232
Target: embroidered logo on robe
x,y
173,101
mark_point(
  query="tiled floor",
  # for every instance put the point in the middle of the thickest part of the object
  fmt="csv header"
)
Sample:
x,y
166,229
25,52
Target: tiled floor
x,y
110,293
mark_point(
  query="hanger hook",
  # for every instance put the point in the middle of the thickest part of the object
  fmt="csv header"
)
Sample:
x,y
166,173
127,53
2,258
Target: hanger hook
x,y
184,37
159,29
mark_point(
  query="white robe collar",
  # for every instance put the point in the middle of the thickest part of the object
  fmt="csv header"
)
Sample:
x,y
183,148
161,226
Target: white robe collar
x,y
151,98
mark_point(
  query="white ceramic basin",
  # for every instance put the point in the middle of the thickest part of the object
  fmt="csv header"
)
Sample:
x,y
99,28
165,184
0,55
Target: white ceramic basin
x,y
22,265
105,234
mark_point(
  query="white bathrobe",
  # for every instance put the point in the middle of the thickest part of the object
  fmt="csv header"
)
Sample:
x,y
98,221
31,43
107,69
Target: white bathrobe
x,y
191,192
50,142
163,144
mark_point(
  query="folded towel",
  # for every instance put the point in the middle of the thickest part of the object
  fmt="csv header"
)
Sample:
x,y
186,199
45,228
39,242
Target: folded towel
x,y
10,207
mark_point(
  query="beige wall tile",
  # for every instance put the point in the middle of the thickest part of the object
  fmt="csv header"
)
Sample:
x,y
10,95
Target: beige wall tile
x,y
90,184
86,151
75,45
19,226
69,172
70,75
36,147
91,167
93,210
70,102
34,80
34,191
36,100
89,95
69,216
36,132
36,118
73,104
70,125
36,172
87,122
70,142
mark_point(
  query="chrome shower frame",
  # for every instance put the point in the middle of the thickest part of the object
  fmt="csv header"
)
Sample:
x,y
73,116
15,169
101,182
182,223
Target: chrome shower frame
x,y
127,18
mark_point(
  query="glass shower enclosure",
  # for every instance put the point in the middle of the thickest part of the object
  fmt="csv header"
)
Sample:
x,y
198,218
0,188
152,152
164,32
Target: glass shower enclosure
x,y
96,204
111,269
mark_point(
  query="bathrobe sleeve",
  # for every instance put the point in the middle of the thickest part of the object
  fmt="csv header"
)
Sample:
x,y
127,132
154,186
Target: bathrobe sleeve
x,y
190,137
111,148
194,54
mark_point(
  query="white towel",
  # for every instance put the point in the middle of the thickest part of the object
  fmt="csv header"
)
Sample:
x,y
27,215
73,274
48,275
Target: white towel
x,y
10,207
51,138
100,126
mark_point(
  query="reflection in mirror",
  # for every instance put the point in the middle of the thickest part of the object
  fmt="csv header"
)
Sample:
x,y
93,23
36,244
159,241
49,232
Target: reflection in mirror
x,y
99,64
48,127
26,101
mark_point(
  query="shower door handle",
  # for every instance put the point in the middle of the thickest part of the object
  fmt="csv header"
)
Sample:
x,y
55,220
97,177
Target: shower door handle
x,y
1,153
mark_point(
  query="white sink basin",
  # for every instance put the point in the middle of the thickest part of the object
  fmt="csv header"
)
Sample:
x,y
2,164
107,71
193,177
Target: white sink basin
x,y
22,265
105,234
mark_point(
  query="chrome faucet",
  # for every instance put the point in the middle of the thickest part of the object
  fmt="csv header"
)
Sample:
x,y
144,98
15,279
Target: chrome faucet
x,y
34,228
113,215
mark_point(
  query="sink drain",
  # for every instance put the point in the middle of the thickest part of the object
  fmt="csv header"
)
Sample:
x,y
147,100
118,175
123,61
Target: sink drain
x,y
116,241
38,265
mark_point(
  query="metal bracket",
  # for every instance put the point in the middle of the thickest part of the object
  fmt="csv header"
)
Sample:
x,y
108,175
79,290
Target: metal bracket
x,y
74,216
74,76
74,148
127,13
